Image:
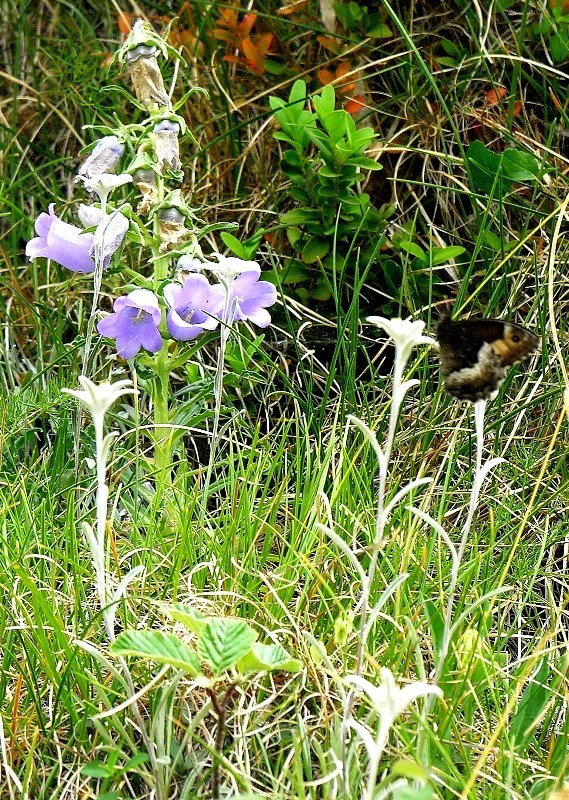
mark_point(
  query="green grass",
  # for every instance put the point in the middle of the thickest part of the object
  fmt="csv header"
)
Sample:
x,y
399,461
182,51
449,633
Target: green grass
x,y
253,544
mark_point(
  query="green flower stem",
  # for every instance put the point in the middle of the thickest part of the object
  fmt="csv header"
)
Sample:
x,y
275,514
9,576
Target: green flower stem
x,y
162,432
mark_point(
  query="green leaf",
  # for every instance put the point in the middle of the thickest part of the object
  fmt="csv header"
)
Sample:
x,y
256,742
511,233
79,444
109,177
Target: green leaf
x,y
414,249
519,165
493,241
559,47
364,163
193,619
413,793
263,657
299,216
136,761
330,173
300,195
159,646
336,124
405,768
97,770
512,165
233,244
441,254
294,273
485,172
292,159
436,624
380,31
274,67
297,92
393,275
315,249
533,702
224,642
321,292
326,103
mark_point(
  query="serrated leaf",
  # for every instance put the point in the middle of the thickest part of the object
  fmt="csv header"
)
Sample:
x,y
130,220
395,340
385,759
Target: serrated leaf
x,y
159,646
224,642
264,657
193,619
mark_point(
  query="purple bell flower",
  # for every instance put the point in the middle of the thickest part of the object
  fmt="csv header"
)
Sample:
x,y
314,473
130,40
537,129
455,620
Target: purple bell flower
x,y
249,297
191,307
134,323
63,243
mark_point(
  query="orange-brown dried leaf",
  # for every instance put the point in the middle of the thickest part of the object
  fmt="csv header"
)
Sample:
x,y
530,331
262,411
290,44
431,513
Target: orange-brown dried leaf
x,y
330,43
246,25
286,11
493,96
124,22
355,104
518,108
325,76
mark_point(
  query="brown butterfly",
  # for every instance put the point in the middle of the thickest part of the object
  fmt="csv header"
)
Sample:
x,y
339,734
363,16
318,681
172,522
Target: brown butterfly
x,y
476,353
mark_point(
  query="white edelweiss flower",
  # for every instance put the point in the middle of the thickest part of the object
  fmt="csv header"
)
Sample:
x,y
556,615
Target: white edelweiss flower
x,y
97,398
387,698
406,334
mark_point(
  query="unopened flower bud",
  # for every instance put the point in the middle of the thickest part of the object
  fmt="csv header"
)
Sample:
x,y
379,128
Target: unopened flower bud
x,y
105,157
145,182
166,144
147,176
147,81
143,50
171,228
171,214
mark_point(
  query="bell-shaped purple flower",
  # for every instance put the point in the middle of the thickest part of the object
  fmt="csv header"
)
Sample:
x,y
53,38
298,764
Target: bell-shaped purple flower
x,y
193,307
134,323
249,298
63,243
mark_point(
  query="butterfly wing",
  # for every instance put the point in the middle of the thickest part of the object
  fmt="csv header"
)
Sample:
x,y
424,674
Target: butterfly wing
x,y
475,354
